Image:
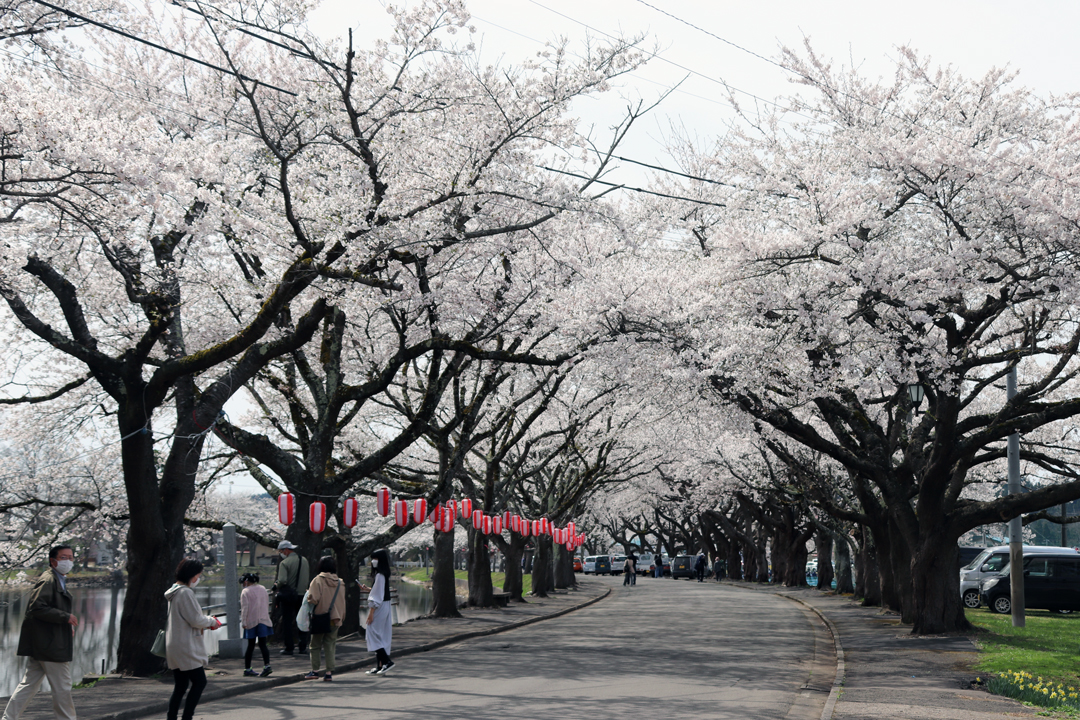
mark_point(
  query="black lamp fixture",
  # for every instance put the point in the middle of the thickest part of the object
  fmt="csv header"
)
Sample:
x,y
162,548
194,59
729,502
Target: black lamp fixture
x,y
915,392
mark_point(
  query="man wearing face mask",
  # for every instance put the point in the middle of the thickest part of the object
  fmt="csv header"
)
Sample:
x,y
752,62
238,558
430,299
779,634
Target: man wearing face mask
x,y
47,638
293,573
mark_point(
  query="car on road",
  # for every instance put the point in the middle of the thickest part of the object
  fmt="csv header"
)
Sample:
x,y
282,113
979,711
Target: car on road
x,y
589,565
1051,582
602,565
992,561
682,566
617,564
577,564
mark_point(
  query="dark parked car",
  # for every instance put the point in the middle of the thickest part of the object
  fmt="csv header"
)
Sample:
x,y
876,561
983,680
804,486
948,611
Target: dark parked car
x,y
603,565
682,566
1051,582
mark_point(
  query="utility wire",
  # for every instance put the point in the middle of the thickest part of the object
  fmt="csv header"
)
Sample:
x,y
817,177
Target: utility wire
x,y
163,48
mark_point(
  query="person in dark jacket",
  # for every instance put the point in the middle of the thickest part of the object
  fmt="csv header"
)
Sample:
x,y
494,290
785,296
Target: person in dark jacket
x,y
700,565
47,638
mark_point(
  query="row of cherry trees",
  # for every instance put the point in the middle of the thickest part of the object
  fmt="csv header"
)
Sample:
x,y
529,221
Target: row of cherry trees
x,y
368,248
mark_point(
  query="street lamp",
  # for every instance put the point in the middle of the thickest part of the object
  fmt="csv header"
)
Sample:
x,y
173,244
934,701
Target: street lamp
x,y
915,392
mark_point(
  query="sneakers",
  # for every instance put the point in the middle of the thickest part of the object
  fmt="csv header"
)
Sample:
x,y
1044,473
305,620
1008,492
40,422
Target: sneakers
x,y
286,652
374,671
328,678
385,669
312,676
266,671
250,673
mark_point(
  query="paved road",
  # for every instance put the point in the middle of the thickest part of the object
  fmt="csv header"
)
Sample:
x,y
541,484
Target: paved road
x,y
661,649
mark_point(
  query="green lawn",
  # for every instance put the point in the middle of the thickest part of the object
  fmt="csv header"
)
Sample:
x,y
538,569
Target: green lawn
x,y
1048,646
497,578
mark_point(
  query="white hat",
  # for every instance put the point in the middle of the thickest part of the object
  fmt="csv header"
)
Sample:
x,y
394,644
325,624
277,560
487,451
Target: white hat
x,y
285,545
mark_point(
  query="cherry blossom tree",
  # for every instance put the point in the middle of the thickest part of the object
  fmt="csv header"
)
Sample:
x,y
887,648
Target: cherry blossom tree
x,y
881,234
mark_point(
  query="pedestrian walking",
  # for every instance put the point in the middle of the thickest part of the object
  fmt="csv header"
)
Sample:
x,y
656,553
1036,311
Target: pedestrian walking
x,y
290,583
255,618
185,651
700,565
379,626
327,599
47,638
718,569
658,566
633,568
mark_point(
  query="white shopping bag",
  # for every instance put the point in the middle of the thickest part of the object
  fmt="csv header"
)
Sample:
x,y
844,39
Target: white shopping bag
x,y
303,618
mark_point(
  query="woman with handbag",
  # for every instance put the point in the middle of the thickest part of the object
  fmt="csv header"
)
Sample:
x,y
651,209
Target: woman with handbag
x,y
327,599
185,652
380,618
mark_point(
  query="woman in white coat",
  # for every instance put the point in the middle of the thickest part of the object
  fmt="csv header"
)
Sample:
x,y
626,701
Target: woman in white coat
x,y
379,619
185,652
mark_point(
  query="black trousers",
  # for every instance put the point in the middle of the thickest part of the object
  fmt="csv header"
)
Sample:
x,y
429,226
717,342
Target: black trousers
x,y
182,678
289,631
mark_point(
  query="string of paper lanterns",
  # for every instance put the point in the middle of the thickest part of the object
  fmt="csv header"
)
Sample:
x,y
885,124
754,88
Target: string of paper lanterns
x,y
441,516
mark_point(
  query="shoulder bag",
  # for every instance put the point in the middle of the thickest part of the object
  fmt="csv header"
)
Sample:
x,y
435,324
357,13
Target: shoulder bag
x,y
320,623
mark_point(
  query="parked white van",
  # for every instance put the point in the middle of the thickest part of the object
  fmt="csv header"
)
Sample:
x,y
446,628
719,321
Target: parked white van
x,y
992,561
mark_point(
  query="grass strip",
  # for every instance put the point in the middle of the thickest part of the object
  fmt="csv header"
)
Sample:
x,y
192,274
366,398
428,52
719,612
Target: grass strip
x,y
1046,648
497,578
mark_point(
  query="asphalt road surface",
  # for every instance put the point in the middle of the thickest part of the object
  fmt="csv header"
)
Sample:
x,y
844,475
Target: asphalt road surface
x,y
660,649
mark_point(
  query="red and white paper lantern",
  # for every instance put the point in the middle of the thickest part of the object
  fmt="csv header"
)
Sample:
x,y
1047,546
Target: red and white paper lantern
x,y
536,527
447,523
477,519
570,545
523,527
382,501
317,516
545,527
452,504
485,524
497,525
435,516
401,513
286,508
419,511
571,528
506,519
350,511
466,508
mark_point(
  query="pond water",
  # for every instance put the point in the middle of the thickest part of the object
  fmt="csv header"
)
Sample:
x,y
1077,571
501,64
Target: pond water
x,y
98,610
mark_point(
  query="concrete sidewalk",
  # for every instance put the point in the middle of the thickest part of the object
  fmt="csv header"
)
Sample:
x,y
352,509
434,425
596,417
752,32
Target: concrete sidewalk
x,y
116,698
885,672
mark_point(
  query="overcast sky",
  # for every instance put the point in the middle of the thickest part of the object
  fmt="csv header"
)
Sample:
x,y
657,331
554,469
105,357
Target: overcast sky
x,y
697,39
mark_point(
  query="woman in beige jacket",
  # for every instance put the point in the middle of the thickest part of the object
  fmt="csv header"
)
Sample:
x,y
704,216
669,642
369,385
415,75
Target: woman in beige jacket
x,y
185,652
326,595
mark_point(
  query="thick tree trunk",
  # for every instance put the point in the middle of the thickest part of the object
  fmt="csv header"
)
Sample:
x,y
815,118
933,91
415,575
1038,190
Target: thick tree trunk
x,y
936,587
481,593
869,585
734,562
896,587
543,581
825,575
443,587
564,568
513,552
844,582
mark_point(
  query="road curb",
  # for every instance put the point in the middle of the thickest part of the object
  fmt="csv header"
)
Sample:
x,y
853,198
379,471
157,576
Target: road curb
x,y
841,668
225,693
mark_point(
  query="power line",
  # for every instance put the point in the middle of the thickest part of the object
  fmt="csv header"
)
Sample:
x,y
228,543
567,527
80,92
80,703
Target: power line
x,y
861,101
622,186
163,48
